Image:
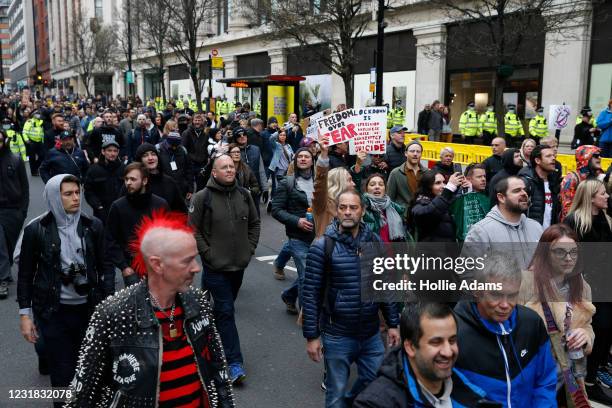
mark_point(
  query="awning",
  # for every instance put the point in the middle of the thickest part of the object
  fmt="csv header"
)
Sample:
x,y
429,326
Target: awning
x,y
258,81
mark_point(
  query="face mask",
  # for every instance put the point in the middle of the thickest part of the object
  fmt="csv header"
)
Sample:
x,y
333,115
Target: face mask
x,y
6,127
174,142
490,109
471,108
510,110
36,116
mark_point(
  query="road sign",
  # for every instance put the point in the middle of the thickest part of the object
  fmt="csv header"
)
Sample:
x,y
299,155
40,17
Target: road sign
x,y
217,62
129,77
214,52
372,87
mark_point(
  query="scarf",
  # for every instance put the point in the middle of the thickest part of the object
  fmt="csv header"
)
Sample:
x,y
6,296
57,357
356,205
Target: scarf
x,y
392,218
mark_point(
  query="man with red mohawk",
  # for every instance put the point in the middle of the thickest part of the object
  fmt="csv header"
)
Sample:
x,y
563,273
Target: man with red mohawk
x,y
155,344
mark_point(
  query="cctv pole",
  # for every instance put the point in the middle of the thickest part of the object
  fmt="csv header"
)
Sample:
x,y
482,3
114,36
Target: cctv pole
x,y
380,48
129,44
210,95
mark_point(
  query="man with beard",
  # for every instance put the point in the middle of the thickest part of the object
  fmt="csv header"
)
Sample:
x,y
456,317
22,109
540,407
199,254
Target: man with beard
x,y
420,372
139,135
506,227
174,162
65,159
511,358
124,214
104,181
52,135
588,165
540,182
251,155
160,184
100,135
403,180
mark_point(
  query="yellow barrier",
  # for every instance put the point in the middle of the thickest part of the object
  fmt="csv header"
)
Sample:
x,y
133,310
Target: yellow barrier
x,y
467,154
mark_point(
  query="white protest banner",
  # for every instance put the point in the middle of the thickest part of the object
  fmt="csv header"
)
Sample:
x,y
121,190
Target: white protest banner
x,y
339,126
371,131
312,129
559,116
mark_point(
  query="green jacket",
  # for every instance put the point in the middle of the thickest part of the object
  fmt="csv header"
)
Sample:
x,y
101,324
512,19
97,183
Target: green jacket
x,y
398,189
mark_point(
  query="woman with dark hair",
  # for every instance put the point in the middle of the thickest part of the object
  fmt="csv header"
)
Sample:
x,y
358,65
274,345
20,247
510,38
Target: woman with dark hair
x,y
282,157
432,219
244,175
553,287
382,215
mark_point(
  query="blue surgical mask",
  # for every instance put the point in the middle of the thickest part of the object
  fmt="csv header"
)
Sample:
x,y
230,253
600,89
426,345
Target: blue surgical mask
x,y
490,109
6,127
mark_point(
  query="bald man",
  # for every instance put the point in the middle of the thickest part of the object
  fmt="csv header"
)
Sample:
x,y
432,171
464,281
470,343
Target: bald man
x,y
227,232
494,163
160,321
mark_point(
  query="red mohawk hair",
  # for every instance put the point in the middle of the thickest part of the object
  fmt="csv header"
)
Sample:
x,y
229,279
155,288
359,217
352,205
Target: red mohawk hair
x,y
160,218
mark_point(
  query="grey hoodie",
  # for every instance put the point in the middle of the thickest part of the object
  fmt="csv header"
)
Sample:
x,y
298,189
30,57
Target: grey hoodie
x,y
72,246
496,234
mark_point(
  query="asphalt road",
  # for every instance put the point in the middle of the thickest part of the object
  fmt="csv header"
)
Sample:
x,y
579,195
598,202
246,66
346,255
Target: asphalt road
x,y
279,373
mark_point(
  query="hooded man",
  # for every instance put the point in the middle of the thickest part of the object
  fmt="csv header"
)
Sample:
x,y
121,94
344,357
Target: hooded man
x,y
104,180
125,214
65,159
14,201
227,230
588,165
155,343
61,276
139,135
174,161
512,164
290,205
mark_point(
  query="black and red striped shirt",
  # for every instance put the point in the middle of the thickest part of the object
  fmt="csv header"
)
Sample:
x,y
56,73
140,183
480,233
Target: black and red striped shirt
x,y
180,384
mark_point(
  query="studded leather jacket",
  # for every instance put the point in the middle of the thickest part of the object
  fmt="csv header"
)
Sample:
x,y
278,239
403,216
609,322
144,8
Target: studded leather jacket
x,y
120,359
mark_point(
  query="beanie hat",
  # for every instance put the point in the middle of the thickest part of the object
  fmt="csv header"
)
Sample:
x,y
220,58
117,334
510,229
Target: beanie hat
x,y
142,149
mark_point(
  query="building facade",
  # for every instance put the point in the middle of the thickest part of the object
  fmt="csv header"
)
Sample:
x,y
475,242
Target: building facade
x,y
6,56
21,26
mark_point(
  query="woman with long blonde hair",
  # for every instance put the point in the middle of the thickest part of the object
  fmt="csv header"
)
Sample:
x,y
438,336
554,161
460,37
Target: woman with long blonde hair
x,y
588,215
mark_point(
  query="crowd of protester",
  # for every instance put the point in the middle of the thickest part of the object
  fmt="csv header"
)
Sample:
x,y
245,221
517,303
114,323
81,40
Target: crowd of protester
x,y
543,342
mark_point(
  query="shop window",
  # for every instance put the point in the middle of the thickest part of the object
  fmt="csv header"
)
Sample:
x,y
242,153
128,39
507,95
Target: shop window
x,y
601,87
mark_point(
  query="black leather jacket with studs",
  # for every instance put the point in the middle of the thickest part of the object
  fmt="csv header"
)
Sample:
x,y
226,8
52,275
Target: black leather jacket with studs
x,y
120,359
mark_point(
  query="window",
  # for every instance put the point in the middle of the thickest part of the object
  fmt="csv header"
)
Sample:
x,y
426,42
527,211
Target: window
x,y
98,9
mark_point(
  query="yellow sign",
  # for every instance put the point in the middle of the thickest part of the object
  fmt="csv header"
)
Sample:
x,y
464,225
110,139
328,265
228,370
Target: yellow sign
x,y
217,62
281,102
372,87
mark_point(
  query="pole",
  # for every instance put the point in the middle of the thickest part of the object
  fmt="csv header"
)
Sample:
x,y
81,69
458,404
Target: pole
x,y
129,33
380,50
211,107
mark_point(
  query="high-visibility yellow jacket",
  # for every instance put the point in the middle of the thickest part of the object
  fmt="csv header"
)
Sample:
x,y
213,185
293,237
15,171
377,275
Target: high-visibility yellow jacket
x,y
180,105
257,108
389,118
593,121
17,144
469,125
538,127
399,117
33,130
488,122
513,125
218,105
193,105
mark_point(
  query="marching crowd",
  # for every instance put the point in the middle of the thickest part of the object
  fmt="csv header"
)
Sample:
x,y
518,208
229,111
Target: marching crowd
x,y
169,185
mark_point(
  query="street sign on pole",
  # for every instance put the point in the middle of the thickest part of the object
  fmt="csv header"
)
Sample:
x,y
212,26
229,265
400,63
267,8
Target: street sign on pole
x,y
217,62
129,77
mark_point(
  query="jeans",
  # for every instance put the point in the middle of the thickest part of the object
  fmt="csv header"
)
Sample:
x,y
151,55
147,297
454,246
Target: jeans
x,y
224,287
339,353
62,334
606,149
298,250
283,256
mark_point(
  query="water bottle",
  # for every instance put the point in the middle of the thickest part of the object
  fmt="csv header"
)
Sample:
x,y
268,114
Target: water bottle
x,y
578,362
309,216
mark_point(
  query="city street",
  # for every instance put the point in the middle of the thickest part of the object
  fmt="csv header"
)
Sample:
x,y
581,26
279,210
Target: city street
x,y
279,373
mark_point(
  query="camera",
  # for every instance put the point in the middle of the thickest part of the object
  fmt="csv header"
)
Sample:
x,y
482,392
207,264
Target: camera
x,y
77,275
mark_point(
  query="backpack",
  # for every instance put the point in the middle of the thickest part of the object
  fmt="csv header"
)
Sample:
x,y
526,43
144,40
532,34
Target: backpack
x,y
207,200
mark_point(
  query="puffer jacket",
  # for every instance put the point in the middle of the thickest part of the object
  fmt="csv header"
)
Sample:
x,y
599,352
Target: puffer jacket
x,y
398,387
59,161
119,363
535,189
344,313
288,206
432,218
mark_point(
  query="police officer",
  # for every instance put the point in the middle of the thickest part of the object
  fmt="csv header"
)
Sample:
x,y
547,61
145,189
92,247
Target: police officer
x,y
18,146
586,109
514,128
488,125
399,114
469,126
389,116
34,133
538,127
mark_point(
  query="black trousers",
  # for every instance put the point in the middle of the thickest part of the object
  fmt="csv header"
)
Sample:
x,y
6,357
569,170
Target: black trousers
x,y
602,326
62,334
36,154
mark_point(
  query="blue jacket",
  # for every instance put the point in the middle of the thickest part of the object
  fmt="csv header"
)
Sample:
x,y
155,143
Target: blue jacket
x,y
58,161
345,314
268,147
251,156
278,152
517,351
136,138
604,122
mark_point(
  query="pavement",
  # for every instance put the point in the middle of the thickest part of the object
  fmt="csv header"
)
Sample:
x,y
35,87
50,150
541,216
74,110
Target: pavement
x,y
279,373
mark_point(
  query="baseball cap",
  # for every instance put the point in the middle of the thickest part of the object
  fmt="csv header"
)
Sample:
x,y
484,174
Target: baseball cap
x,y
239,131
272,119
398,128
65,135
110,143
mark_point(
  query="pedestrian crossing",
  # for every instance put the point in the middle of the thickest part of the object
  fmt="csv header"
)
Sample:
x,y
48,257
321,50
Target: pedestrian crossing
x,y
269,259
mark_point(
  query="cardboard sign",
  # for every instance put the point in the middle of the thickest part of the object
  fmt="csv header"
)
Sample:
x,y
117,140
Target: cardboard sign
x,y
368,125
312,129
559,116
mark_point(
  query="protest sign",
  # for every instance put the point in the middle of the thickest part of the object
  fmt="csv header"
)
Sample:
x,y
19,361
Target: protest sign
x,y
558,116
371,131
312,129
368,125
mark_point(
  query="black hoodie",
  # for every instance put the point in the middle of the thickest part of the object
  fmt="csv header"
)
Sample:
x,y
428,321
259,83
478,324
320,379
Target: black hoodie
x,y
509,169
14,186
